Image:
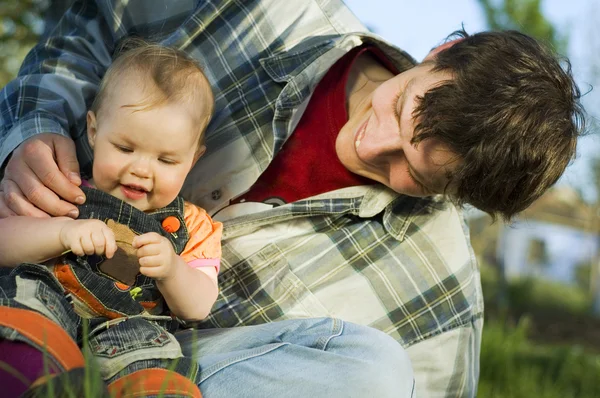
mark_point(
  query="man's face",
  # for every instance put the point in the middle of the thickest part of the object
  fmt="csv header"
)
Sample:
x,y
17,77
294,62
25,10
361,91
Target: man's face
x,y
142,156
375,142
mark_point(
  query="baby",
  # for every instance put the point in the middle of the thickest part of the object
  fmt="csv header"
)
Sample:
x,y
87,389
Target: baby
x,y
146,128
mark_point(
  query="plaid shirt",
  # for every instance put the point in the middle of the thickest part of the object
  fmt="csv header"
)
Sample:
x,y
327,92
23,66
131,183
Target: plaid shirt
x,y
364,254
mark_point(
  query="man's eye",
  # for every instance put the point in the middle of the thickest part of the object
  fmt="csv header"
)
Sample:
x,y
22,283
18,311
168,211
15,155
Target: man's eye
x,y
422,187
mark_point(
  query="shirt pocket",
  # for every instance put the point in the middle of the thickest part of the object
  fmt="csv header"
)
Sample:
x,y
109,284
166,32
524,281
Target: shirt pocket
x,y
261,288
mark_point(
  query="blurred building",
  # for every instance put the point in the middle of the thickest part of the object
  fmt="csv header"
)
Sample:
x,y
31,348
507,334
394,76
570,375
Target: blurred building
x,y
556,239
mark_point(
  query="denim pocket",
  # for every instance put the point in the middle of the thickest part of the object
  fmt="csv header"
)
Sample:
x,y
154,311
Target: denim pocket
x,y
61,310
129,341
33,287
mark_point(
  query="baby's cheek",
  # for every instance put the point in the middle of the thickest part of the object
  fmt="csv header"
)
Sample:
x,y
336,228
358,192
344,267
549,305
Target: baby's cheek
x,y
169,187
105,172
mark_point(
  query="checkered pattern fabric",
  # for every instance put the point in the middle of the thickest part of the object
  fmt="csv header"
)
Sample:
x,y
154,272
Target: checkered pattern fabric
x,y
364,254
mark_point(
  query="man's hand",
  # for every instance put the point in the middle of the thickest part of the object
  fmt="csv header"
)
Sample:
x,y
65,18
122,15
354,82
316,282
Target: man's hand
x,y
88,237
41,179
156,255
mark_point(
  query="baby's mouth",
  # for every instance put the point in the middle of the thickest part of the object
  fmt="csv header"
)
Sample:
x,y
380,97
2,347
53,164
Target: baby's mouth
x,y
133,192
135,187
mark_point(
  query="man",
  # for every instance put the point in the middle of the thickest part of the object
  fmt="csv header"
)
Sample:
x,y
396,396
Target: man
x,y
324,154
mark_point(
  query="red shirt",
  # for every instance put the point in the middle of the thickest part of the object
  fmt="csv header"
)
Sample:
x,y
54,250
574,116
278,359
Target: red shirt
x,y
307,164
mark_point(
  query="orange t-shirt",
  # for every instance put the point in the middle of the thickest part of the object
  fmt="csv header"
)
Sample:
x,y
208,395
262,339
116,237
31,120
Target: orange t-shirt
x,y
204,246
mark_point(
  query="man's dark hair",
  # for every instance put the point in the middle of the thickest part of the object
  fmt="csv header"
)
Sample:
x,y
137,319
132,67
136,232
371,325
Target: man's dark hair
x,y
511,113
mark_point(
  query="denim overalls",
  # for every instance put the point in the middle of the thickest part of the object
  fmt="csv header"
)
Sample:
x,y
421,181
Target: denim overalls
x,y
127,327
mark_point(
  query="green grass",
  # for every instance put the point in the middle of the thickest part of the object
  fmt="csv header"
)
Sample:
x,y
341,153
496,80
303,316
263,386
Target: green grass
x,y
547,297
514,367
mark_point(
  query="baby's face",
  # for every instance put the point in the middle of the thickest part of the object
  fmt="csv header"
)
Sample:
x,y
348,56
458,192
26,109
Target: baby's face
x,y
142,156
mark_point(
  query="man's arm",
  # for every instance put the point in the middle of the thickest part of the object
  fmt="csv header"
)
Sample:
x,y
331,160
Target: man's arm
x,y
56,83
40,172
57,80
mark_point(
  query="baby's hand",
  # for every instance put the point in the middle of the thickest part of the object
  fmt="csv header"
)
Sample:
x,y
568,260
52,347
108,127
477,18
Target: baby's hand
x,y
156,255
88,237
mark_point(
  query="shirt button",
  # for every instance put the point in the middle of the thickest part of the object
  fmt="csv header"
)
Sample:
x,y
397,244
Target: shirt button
x,y
216,194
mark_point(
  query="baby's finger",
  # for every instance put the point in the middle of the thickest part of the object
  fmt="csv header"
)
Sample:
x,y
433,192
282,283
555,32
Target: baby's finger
x,y
151,249
149,261
153,272
77,249
145,239
148,271
87,244
99,242
111,243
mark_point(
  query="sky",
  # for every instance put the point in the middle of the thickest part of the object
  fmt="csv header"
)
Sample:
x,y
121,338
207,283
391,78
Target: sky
x,y
418,25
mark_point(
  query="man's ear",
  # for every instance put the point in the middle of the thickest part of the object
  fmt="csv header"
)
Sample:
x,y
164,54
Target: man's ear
x,y
91,128
435,51
199,154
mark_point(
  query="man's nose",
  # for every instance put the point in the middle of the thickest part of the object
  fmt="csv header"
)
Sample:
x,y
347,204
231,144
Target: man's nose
x,y
383,145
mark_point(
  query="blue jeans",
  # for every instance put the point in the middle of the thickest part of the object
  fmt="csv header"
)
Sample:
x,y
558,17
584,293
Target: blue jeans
x,y
306,358
299,358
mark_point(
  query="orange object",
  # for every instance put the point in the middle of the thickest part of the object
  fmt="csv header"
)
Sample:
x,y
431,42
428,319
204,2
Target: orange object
x,y
205,235
45,334
121,286
153,381
66,276
171,224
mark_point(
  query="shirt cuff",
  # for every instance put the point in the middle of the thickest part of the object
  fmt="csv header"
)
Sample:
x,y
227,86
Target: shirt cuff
x,y
206,262
26,128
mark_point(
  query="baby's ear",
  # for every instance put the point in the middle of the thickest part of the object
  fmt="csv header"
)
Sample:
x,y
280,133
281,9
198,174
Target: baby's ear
x,y
199,154
91,128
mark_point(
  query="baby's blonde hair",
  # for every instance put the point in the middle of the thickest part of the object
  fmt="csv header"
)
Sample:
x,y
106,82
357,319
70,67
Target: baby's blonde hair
x,y
175,78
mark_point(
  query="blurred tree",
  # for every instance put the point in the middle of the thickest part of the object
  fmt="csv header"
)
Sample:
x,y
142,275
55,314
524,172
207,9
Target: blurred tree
x,y
525,16
21,25
583,273
595,227
592,104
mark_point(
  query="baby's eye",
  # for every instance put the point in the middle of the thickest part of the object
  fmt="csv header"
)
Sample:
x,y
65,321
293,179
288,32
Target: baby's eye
x,y
123,149
166,161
